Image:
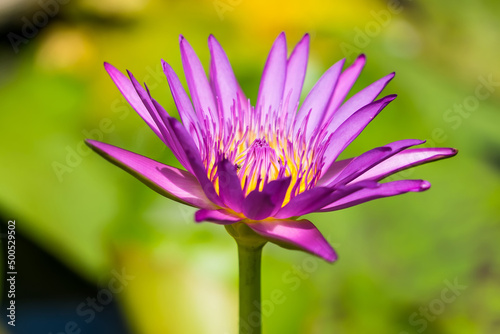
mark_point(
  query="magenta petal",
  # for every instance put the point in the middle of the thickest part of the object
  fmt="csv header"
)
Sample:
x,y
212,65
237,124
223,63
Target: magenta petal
x,y
295,74
335,169
351,128
177,148
224,82
147,101
160,117
273,78
317,198
359,164
170,182
262,204
405,159
153,112
181,99
230,186
293,234
193,157
199,87
128,91
382,190
358,101
301,203
220,216
371,158
344,85
318,98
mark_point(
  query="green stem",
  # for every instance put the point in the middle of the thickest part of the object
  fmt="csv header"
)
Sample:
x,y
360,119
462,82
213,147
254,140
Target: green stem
x,y
250,247
249,264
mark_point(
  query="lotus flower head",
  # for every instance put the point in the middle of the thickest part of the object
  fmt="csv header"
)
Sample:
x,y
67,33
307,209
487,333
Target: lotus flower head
x,y
266,165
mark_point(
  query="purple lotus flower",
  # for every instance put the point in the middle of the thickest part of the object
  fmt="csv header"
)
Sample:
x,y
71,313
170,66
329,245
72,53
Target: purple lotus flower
x,y
267,165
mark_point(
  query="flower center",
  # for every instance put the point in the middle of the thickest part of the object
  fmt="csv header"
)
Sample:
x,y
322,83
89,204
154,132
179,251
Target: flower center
x,y
263,149
258,164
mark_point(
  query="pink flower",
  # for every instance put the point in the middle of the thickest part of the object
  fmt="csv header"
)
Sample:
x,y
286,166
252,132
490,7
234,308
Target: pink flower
x,y
269,164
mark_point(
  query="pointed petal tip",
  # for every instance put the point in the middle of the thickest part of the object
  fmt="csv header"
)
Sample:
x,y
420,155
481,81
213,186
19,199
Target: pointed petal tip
x,y
305,39
424,185
166,66
94,144
333,257
389,98
217,216
214,46
447,152
326,252
110,68
90,143
281,39
198,216
299,235
183,43
360,61
386,79
413,185
132,77
383,100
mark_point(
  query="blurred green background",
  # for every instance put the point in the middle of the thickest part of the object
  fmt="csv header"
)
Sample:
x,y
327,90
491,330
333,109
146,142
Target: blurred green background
x,y
398,256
